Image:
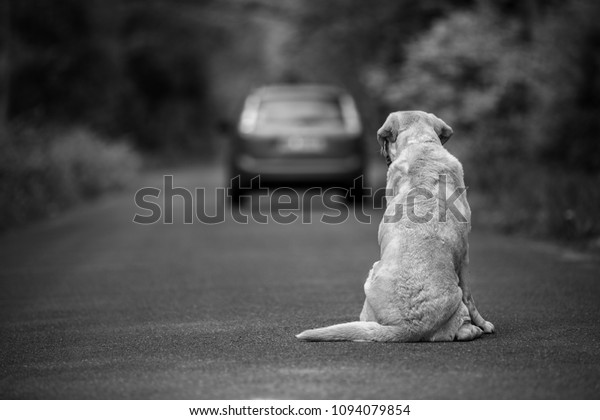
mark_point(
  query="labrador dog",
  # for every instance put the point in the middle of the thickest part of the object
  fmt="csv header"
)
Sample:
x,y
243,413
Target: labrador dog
x,y
419,289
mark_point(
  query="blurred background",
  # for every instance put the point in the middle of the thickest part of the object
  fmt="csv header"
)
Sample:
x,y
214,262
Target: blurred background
x,y
93,92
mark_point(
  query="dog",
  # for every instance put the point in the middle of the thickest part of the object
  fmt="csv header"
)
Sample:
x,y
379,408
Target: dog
x,y
419,289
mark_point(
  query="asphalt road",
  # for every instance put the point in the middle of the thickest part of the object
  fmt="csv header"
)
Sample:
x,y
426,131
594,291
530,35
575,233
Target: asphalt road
x,y
95,306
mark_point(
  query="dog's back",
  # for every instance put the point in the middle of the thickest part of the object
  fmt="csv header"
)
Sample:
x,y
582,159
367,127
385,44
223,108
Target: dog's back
x,y
428,196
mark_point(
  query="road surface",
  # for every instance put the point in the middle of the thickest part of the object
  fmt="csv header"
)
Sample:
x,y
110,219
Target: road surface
x,y
93,305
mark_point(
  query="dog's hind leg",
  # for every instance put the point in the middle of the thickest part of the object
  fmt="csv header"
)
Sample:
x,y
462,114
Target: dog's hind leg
x,y
468,332
476,317
458,327
367,313
463,283
452,329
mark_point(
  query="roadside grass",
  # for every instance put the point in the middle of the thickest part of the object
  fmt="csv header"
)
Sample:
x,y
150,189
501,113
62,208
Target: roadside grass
x,y
45,171
521,197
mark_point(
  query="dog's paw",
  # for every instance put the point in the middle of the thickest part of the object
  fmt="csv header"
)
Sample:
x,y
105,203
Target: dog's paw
x,y
468,332
487,327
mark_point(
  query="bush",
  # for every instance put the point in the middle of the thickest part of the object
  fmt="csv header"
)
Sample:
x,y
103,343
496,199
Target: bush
x,y
90,165
42,172
518,197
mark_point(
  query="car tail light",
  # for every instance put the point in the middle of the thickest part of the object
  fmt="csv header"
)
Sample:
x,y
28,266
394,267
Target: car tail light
x,y
351,118
249,116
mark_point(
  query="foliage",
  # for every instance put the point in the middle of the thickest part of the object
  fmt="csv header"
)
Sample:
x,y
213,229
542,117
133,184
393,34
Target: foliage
x,y
42,171
458,70
565,76
134,68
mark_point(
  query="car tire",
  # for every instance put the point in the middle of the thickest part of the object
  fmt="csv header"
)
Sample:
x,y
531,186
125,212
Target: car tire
x,y
235,192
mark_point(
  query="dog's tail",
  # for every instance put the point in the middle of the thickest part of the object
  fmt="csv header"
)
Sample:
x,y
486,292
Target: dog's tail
x,y
359,331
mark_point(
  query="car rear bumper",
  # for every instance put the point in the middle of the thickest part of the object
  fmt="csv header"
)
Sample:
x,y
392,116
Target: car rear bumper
x,y
280,169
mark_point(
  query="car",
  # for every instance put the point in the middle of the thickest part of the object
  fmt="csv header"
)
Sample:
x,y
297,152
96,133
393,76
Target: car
x,y
297,134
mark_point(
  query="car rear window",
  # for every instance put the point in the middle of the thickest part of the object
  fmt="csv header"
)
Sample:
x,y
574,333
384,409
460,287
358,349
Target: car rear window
x,y
301,112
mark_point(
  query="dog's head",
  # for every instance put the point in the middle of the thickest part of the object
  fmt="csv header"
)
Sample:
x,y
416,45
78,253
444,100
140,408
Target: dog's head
x,y
406,127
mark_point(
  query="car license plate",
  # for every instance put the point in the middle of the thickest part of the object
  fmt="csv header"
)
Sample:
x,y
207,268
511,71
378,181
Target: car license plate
x,y
302,145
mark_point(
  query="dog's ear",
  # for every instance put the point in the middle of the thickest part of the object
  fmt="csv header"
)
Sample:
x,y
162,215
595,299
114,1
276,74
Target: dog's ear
x,y
443,130
388,131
